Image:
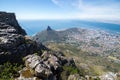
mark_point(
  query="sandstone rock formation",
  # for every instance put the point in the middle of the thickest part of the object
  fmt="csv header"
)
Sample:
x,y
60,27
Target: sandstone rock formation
x,y
40,62
48,66
13,42
74,77
9,20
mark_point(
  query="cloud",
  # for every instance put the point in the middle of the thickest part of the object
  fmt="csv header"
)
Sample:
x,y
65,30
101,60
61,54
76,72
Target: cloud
x,y
55,2
78,4
91,9
66,3
100,11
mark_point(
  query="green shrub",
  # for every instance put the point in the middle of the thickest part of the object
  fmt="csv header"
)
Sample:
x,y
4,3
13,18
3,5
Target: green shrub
x,y
68,70
97,78
8,71
71,70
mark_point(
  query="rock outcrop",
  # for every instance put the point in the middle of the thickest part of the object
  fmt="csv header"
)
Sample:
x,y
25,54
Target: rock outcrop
x,y
109,76
48,66
40,62
13,43
9,20
74,77
49,28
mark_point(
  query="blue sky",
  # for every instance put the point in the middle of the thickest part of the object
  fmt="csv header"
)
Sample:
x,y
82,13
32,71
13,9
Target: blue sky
x,y
63,9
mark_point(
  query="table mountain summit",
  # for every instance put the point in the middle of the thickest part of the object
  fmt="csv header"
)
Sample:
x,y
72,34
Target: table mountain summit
x,y
10,19
13,43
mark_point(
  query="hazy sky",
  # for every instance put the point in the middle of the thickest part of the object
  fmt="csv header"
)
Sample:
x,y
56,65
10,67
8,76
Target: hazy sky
x,y
63,9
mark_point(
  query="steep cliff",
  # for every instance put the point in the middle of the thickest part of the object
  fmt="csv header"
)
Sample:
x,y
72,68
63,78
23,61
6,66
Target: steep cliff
x,y
39,62
10,19
13,43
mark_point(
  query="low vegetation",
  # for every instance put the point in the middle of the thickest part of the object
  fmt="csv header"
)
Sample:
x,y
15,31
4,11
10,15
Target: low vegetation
x,y
9,71
68,70
93,64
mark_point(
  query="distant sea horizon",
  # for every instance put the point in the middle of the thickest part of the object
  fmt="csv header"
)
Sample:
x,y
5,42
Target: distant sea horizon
x,y
34,26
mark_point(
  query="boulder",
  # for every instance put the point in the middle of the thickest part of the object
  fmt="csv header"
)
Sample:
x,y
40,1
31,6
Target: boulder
x,y
74,77
45,66
108,76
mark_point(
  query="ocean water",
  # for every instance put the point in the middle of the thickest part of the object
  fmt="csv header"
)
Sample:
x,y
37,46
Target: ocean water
x,y
34,26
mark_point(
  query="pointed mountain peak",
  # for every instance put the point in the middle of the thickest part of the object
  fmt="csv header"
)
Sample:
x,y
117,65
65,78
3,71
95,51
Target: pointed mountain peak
x,y
49,28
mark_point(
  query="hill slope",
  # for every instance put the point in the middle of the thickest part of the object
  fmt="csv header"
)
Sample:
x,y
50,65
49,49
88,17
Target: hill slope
x,y
96,51
94,41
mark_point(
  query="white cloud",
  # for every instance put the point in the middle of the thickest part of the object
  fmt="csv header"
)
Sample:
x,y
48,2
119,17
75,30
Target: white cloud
x,y
67,3
55,2
96,9
99,12
81,9
78,4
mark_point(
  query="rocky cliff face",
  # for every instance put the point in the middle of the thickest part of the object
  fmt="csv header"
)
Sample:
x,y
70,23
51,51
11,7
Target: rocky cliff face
x,y
9,20
40,62
13,43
